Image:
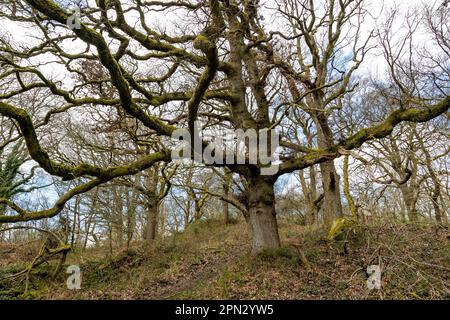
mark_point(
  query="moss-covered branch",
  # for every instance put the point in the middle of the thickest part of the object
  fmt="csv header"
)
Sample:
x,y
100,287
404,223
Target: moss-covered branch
x,y
378,131
38,154
207,46
107,175
90,36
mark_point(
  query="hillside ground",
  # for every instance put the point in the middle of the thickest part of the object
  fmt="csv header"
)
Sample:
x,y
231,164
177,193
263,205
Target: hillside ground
x,y
212,261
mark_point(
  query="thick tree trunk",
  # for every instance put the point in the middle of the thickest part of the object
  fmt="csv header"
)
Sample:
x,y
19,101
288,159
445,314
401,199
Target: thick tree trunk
x,y
331,207
152,222
262,215
152,204
410,202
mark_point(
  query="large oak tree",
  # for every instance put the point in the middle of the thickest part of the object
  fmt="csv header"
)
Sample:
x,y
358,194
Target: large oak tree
x,y
213,60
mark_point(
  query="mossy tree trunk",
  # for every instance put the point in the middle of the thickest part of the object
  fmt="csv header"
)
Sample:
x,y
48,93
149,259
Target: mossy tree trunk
x,y
262,215
332,207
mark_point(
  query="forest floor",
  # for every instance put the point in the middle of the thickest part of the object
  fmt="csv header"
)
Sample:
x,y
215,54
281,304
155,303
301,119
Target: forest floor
x,y
212,261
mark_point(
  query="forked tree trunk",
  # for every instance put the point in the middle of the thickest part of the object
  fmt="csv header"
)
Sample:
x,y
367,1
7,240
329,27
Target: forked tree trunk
x,y
262,215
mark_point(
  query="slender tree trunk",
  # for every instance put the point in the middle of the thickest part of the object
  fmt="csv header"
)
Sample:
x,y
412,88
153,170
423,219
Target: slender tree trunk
x,y
162,215
309,215
91,217
310,194
118,216
226,193
87,232
436,193
444,212
75,222
434,200
348,195
402,211
110,231
262,215
131,216
314,210
2,212
197,210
